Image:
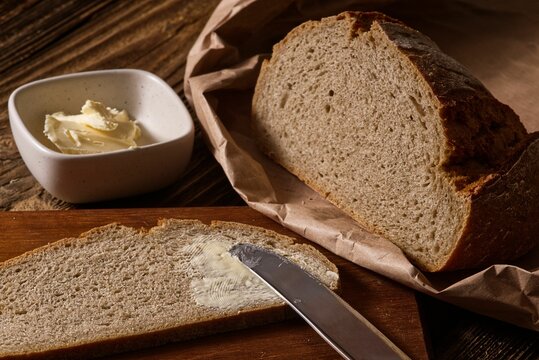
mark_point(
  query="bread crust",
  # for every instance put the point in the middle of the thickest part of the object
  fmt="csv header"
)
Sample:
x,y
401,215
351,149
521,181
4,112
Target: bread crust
x,y
483,140
160,337
478,128
502,222
164,336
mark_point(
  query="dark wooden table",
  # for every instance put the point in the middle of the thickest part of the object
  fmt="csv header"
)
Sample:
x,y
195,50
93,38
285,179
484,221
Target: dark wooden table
x,y
39,39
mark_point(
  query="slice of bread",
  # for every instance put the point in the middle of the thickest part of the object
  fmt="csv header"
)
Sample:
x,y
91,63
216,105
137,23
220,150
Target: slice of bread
x,y
372,115
116,288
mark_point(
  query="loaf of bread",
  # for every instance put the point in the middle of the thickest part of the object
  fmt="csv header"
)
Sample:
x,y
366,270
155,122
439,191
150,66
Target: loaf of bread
x,y
116,288
371,114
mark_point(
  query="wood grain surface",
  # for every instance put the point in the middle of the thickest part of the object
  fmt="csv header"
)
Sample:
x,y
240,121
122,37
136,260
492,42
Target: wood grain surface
x,y
39,39
389,306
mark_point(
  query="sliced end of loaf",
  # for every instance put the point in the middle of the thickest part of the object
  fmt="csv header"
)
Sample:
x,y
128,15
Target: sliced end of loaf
x,y
371,114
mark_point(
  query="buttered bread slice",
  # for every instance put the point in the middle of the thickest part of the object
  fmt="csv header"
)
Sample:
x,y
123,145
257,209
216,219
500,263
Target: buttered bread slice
x,y
372,115
116,288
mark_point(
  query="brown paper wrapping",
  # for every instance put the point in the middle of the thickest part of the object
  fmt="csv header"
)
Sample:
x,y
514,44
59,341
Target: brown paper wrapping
x,y
497,40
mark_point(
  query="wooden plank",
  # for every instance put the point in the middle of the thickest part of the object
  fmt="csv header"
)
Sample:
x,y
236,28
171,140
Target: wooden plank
x,y
388,305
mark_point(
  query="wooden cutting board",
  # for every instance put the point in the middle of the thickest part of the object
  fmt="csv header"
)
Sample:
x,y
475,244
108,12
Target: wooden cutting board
x,y
389,306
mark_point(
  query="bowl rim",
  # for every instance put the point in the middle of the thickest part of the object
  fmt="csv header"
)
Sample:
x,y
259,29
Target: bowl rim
x,y
15,117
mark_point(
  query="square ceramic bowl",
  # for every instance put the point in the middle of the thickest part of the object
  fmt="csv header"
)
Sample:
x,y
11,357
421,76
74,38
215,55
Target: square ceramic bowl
x,y
163,151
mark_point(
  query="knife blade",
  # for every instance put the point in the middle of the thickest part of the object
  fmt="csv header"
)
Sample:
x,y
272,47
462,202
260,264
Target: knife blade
x,y
342,327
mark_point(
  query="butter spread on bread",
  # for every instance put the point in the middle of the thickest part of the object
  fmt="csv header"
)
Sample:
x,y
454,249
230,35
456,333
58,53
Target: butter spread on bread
x,y
116,288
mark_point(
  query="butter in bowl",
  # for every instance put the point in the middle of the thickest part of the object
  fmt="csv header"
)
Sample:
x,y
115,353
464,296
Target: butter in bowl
x,y
133,134
97,129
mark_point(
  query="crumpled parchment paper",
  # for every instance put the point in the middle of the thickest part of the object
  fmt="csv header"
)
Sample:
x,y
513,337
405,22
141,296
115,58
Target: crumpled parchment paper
x,y
497,40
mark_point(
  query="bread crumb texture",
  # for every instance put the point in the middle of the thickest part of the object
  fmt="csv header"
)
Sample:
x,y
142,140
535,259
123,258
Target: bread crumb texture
x,y
372,115
116,281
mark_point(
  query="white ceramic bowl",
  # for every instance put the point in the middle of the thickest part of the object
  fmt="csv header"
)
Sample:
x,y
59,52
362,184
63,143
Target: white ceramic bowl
x,y
164,147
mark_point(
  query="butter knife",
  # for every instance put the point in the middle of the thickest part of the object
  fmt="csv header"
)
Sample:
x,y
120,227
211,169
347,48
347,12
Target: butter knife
x,y
342,327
